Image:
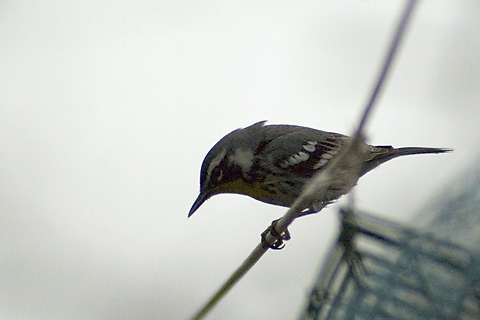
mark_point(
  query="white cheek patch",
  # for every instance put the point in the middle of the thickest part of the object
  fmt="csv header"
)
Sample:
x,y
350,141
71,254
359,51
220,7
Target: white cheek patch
x,y
242,158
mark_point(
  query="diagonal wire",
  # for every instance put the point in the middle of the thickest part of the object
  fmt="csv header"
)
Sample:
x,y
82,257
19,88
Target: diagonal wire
x,y
320,182
392,51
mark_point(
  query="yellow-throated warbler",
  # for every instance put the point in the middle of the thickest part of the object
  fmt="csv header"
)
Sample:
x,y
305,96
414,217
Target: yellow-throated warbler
x,y
272,163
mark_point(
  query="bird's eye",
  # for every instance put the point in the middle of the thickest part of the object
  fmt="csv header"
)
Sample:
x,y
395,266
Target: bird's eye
x,y
216,175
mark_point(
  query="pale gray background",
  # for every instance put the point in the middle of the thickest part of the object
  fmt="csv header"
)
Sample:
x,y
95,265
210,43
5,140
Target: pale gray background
x,y
107,109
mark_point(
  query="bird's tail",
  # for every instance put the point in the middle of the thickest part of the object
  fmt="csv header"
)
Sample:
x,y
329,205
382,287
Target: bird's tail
x,y
387,153
418,150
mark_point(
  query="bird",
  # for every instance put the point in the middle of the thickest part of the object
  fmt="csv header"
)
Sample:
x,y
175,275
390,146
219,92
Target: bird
x,y
273,163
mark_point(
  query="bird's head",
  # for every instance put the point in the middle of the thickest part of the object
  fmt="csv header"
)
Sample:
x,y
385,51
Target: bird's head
x,y
227,166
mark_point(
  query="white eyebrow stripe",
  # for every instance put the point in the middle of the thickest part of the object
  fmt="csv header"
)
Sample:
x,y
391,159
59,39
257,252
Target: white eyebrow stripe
x,y
215,162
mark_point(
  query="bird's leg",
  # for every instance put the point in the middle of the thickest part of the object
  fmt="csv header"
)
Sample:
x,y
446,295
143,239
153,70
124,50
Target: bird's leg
x,y
307,212
314,209
285,235
280,237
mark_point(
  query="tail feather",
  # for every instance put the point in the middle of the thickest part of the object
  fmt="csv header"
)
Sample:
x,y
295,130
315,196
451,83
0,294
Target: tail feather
x,y
419,150
388,153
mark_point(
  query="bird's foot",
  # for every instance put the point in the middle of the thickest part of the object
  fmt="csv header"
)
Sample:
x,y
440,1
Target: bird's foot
x,y
279,237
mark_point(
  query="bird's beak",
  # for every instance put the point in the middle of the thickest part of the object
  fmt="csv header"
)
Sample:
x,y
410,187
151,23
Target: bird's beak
x,y
202,197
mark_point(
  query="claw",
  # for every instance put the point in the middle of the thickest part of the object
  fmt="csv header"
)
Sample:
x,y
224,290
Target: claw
x,y
278,244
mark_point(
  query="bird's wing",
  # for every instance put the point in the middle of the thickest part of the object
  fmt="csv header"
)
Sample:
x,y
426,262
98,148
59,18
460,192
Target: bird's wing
x,y
303,151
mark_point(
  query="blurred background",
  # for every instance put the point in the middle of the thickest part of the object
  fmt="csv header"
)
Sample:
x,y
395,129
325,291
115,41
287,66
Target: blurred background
x,y
107,109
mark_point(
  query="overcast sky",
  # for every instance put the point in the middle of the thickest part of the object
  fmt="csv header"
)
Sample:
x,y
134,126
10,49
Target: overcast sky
x,y
107,109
